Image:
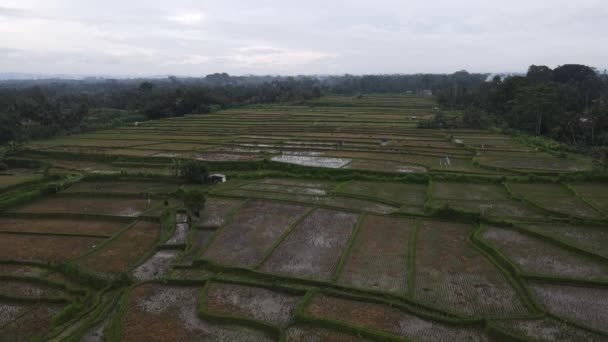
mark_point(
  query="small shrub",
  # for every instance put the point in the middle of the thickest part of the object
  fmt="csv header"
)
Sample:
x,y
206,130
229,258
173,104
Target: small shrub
x,y
193,200
194,171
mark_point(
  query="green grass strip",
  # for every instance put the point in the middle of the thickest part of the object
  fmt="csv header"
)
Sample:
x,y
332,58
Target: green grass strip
x,y
411,261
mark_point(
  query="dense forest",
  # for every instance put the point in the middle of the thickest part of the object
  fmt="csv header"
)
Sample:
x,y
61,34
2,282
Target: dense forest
x,y
568,103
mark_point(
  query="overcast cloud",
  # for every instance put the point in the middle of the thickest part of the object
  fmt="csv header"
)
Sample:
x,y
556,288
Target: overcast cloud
x,y
151,37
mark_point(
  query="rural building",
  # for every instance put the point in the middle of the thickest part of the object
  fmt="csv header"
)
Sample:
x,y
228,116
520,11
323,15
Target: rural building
x,y
217,178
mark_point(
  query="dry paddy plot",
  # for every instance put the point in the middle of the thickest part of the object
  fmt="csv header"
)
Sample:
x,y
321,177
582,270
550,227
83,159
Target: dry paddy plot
x,y
378,258
591,238
60,226
44,248
26,289
162,313
453,276
254,229
330,201
314,247
388,319
97,206
127,248
156,266
547,329
216,211
536,256
251,302
487,199
585,305
33,324
303,333
556,198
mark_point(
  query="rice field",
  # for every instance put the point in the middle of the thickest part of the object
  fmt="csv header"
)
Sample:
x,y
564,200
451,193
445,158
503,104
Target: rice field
x,y
340,220
313,248
537,256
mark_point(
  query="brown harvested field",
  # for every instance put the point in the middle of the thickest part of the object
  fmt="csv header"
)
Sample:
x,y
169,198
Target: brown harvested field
x,y
302,333
547,329
251,302
388,319
314,247
216,211
156,266
197,241
130,246
378,258
9,180
534,255
44,248
106,228
450,274
120,187
35,323
10,311
591,189
18,288
98,206
163,313
22,270
592,238
585,305
255,228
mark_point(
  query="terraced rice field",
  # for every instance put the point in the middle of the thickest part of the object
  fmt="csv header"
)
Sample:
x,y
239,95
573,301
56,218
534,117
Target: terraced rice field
x,y
379,254
340,221
256,226
452,274
314,247
533,255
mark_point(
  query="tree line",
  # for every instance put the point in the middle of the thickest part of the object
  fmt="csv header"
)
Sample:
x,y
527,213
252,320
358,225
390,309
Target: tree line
x,y
41,109
568,104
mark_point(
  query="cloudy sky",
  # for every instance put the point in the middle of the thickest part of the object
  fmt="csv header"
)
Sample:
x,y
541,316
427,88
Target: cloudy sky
x,y
153,37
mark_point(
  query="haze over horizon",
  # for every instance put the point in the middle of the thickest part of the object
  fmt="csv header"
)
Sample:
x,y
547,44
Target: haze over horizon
x,y
193,38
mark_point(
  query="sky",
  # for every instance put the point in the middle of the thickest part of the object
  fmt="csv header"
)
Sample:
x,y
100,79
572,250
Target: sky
x,y
194,38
